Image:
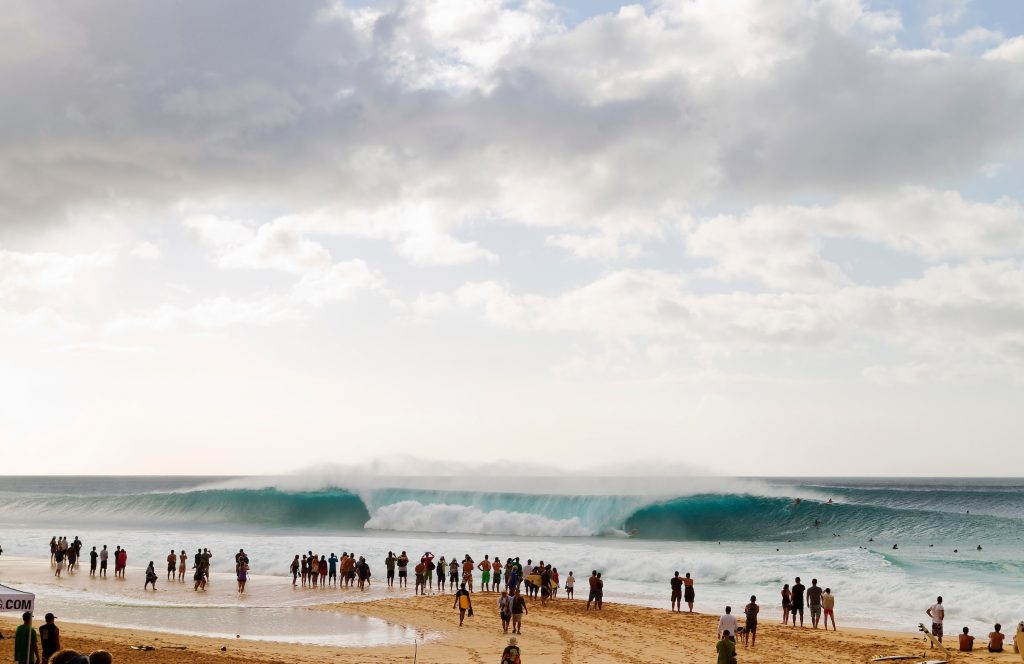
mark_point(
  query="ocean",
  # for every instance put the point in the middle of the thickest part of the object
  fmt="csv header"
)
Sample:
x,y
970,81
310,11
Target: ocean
x,y
736,536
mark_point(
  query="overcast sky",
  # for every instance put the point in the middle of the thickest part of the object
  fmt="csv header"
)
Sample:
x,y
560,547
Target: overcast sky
x,y
751,237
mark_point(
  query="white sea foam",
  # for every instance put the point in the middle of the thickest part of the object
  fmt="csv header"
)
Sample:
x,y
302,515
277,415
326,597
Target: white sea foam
x,y
412,516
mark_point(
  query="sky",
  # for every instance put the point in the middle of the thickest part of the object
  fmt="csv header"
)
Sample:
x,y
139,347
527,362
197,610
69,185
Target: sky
x,y
741,237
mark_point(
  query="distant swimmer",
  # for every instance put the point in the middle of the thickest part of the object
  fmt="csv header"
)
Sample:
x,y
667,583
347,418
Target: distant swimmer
x,y
817,523
871,539
956,550
796,503
895,546
829,502
979,547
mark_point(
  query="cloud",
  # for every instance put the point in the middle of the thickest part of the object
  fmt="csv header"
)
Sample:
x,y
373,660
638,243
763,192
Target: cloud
x,y
781,246
413,122
969,310
147,251
29,274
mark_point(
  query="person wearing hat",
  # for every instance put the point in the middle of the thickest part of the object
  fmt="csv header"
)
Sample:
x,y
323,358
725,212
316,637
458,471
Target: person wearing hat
x,y
511,653
26,641
49,637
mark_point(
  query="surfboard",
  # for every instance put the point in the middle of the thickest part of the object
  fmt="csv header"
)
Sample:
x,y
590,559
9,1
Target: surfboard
x,y
892,658
935,643
1018,640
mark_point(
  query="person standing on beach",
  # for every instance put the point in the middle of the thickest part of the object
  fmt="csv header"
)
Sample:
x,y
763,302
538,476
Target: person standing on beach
x,y
727,624
93,557
797,602
332,570
363,571
688,594
428,570
53,550
182,565
828,603
463,602
295,568
389,566
72,557
453,572
518,609
570,581
787,602
505,610
485,573
593,588
600,592
172,565
151,576
442,574
198,576
26,641
420,580
49,637
937,613
676,584
750,612
467,572
123,558
814,601
58,557
726,648
103,561
403,571
242,573
323,570
496,574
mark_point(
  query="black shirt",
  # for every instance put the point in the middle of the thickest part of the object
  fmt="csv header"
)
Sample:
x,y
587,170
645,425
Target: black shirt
x,y
49,639
798,594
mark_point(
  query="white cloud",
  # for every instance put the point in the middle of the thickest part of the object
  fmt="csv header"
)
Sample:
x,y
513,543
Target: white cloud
x,y
1011,50
24,274
147,251
780,246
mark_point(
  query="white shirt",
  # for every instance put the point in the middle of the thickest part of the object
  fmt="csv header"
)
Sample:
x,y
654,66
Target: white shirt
x,y
727,622
103,554
938,613
570,582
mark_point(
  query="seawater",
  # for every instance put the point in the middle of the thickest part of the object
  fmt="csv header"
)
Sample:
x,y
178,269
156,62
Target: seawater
x,y
737,537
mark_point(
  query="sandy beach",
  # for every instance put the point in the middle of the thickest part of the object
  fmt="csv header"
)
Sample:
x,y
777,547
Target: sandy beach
x,y
561,632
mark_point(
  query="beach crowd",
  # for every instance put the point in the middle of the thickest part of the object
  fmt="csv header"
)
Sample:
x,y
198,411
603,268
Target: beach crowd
x,y
516,583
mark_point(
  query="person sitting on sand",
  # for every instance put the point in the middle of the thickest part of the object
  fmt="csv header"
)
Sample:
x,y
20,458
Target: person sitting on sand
x,y
726,648
463,602
995,639
966,641
511,654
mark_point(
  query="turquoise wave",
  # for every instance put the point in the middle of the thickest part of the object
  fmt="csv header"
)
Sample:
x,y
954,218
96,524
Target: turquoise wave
x,y
886,515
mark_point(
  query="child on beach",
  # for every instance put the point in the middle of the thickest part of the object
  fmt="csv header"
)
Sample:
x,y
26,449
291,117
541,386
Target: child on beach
x,y
570,581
